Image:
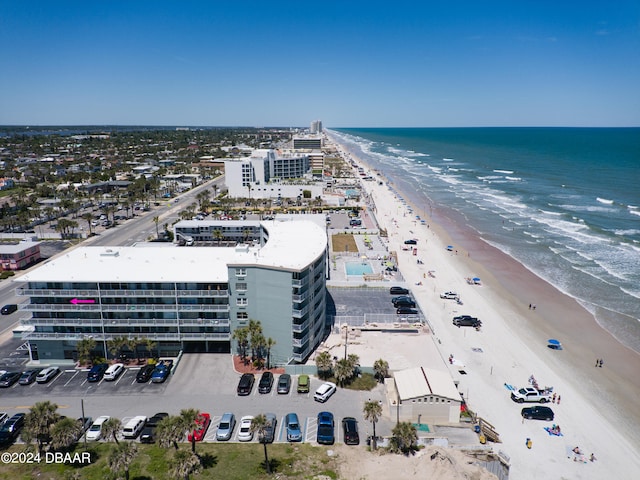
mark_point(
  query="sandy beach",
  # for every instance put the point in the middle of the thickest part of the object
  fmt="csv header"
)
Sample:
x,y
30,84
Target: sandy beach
x,y
598,407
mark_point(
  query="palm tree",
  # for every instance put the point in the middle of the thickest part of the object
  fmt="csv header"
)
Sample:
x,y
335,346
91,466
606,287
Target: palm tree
x,y
343,371
110,429
381,367
121,458
241,335
156,219
259,426
404,438
65,433
183,464
85,346
39,420
170,431
115,345
256,338
324,363
269,343
189,416
218,235
89,218
149,344
372,412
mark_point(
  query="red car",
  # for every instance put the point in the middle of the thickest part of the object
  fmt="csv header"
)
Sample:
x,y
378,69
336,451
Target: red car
x,y
202,424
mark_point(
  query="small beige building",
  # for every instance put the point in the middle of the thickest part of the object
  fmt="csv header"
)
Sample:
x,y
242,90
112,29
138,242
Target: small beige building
x,y
426,395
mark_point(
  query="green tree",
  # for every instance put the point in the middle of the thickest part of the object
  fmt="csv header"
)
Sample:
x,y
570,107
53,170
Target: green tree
x,y
404,438
121,457
381,369
170,431
85,346
372,412
111,428
343,371
88,217
38,422
156,219
189,417
117,345
324,363
241,335
64,433
269,343
183,464
259,426
218,235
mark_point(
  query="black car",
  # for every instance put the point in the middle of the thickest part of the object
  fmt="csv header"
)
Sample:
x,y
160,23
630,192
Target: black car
x,y
466,321
350,429
28,377
9,309
148,432
406,311
144,374
11,428
401,299
405,302
245,384
411,241
284,384
538,413
266,382
398,291
97,372
9,379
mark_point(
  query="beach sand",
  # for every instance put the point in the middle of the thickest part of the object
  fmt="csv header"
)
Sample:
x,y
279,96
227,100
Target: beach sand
x,y
598,409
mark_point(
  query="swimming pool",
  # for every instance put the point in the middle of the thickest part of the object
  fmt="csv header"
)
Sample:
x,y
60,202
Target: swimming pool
x,y
358,268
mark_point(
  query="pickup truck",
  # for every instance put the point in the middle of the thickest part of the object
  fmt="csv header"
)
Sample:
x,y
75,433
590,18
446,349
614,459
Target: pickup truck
x,y
530,394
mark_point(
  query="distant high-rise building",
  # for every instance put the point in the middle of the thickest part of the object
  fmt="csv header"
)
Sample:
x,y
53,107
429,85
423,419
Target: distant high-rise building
x,y
316,127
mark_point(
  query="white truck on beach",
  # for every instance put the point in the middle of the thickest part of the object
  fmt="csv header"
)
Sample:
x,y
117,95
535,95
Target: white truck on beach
x,y
530,394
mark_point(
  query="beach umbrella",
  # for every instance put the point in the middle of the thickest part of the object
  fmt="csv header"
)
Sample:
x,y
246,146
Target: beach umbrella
x,y
554,344
449,247
476,280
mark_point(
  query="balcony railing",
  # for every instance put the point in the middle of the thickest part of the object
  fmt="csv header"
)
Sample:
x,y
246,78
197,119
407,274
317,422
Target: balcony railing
x,y
300,313
299,342
99,337
29,292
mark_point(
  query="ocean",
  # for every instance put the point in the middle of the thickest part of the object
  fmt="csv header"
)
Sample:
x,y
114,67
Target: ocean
x,y
564,202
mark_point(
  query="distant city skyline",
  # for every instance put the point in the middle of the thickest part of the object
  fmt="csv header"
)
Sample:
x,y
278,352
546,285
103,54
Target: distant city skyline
x,y
349,64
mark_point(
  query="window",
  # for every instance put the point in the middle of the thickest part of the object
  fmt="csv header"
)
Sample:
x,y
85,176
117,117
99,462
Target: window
x,y
241,302
242,316
241,287
241,272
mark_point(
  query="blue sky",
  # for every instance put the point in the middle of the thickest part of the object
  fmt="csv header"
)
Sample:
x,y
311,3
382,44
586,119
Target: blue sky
x,y
350,63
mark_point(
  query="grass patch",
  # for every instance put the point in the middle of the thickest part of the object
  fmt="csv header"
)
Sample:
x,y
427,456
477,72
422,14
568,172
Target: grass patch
x,y
231,461
343,242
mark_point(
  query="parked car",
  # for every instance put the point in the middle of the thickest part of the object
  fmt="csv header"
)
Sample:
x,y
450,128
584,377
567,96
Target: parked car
x,y
11,428
398,291
538,413
294,433
406,311
324,392
266,382
202,424
85,424
325,434
97,372
47,374
144,374
466,321
113,372
411,241
225,429
350,430
246,384
9,309
148,432
244,432
270,430
28,377
161,371
134,426
303,383
284,384
9,378
403,301
95,431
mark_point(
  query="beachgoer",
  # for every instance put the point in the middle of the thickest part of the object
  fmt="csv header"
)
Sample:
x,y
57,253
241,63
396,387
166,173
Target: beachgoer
x,y
592,458
529,306
577,451
529,443
601,363
597,362
553,398
558,401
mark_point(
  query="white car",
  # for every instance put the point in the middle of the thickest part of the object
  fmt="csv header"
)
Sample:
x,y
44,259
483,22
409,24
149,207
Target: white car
x,y
244,432
95,430
449,295
47,374
113,372
324,392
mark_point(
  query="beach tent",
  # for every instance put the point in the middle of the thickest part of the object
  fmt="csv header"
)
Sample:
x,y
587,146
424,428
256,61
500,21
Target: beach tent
x,y
476,280
554,344
449,247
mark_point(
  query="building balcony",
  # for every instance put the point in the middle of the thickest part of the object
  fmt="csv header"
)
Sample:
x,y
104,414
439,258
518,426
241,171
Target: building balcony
x,y
300,298
100,337
30,292
300,313
299,327
299,342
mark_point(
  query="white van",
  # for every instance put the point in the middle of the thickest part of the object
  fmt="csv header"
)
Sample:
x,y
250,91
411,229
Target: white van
x,y
113,371
134,426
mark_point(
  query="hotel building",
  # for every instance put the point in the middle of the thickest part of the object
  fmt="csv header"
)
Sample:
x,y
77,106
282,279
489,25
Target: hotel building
x,y
187,299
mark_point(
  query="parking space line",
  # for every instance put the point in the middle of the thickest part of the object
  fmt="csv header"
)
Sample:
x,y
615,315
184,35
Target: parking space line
x,y
72,377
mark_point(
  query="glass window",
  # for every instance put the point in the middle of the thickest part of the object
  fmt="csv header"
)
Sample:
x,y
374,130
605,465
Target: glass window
x,y
242,315
241,272
241,302
241,287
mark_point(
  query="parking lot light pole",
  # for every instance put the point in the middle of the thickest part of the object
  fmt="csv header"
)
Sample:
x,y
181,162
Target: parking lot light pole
x,y
346,340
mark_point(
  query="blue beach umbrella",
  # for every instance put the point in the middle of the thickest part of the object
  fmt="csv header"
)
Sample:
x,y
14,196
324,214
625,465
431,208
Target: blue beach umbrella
x,y
554,344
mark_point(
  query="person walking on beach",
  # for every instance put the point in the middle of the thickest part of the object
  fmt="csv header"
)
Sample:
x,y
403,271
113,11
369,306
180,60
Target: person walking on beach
x,y
553,398
601,362
597,362
558,402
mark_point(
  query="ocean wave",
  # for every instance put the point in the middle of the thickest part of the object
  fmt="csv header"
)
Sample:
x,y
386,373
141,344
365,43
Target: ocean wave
x,y
508,172
604,200
629,232
634,212
547,212
447,159
514,179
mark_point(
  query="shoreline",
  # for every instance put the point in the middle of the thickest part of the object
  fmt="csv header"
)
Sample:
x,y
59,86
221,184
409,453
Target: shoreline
x,y
509,287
